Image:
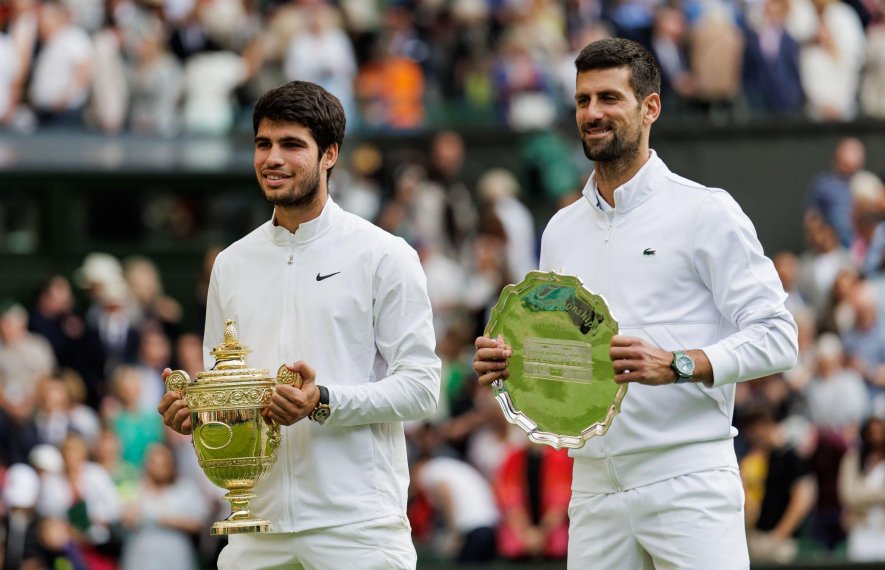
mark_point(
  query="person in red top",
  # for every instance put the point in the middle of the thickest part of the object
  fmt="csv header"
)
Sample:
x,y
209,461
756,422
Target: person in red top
x,y
533,489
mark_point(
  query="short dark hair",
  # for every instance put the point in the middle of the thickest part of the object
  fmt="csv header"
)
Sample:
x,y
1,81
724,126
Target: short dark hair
x,y
645,76
307,104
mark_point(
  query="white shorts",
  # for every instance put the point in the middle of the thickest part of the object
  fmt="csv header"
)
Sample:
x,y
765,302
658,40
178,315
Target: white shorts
x,y
380,544
689,522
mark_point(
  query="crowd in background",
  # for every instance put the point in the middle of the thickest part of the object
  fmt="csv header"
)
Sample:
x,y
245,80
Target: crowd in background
x,y
168,67
90,475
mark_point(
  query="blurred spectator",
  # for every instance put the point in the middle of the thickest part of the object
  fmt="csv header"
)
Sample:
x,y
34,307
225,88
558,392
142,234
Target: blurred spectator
x,y
498,189
93,506
124,475
466,504
23,31
59,413
787,265
872,89
830,193
533,488
864,341
53,318
111,337
155,307
109,103
154,355
209,82
837,397
60,85
58,547
322,53
780,491
135,425
524,92
360,194
24,359
156,83
868,198
862,491
669,42
54,497
771,64
831,63
717,49
167,513
19,524
821,262
390,91
456,217
9,73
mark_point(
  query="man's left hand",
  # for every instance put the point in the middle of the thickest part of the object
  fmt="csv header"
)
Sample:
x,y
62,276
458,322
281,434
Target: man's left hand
x,y
290,404
636,360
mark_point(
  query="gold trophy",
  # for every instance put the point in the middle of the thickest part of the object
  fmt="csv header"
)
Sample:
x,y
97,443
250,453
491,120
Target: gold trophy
x,y
234,444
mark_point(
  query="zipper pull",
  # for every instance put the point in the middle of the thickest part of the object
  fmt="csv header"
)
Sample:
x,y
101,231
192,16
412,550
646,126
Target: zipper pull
x,y
291,259
611,226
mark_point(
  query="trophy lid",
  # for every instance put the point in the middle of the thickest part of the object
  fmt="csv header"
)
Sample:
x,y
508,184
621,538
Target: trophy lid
x,y
230,359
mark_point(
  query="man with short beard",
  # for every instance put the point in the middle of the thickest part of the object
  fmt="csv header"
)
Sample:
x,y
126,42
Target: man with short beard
x,y
349,302
699,308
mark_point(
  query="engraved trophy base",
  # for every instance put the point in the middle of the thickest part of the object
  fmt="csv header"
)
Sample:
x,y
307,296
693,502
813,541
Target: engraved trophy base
x,y
240,520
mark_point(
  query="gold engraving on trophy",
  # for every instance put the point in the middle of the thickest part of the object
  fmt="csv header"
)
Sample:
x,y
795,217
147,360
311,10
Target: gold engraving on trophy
x,y
233,443
558,360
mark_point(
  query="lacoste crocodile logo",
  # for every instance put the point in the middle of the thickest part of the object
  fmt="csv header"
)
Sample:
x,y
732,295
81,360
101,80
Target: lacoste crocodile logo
x,y
321,277
648,251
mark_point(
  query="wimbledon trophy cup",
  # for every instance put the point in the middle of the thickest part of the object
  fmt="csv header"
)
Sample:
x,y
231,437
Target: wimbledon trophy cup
x,y
234,444
561,390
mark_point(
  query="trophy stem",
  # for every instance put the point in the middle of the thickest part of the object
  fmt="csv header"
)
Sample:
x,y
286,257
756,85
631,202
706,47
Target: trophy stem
x,y
240,519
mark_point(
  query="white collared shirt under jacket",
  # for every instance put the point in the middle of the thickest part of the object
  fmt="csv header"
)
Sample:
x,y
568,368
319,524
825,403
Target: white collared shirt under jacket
x,y
681,267
350,300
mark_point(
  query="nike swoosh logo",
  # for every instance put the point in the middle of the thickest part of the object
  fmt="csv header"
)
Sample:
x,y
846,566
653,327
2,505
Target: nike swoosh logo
x,y
321,277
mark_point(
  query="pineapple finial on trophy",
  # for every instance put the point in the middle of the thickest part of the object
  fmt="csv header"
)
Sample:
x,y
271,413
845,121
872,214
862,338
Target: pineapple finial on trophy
x,y
230,353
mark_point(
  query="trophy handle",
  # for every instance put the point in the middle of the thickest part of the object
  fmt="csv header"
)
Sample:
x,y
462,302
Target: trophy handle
x,y
177,381
286,376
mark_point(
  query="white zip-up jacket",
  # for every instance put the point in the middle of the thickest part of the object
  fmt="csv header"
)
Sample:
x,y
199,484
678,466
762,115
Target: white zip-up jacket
x,y
681,267
350,300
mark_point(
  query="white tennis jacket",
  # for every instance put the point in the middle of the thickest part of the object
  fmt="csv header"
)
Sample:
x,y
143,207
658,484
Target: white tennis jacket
x,y
351,300
681,267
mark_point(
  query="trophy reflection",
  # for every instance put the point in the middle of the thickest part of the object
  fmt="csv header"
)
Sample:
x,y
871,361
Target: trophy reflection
x,y
234,445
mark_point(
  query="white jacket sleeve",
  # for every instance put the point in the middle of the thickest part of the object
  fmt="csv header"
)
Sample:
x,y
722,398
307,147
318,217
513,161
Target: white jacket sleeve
x,y
747,291
405,341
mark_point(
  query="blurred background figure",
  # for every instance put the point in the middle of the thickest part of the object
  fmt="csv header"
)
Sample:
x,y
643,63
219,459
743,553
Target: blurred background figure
x,y
533,488
62,68
25,358
779,487
862,492
466,506
164,518
830,193
499,191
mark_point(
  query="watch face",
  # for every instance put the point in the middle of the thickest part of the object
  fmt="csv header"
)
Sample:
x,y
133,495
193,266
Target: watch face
x,y
684,364
321,415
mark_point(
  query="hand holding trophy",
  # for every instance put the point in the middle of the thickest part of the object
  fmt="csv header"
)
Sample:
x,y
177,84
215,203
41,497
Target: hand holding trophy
x,y
234,444
560,386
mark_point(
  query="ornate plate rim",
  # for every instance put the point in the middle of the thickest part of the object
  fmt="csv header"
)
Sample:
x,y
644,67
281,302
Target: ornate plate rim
x,y
518,418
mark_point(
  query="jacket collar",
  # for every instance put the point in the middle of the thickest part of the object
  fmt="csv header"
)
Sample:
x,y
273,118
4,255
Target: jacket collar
x,y
636,190
307,231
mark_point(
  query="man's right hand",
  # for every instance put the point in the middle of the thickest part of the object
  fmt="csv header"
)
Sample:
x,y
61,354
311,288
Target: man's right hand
x,y
490,361
174,410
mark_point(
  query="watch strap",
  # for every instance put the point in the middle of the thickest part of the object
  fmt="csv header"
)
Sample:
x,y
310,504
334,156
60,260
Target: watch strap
x,y
323,410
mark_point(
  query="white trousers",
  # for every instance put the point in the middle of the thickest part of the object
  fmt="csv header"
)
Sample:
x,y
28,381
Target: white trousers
x,y
689,522
381,544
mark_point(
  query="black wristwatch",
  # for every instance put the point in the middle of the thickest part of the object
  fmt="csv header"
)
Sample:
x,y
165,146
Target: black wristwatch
x,y
323,410
683,365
